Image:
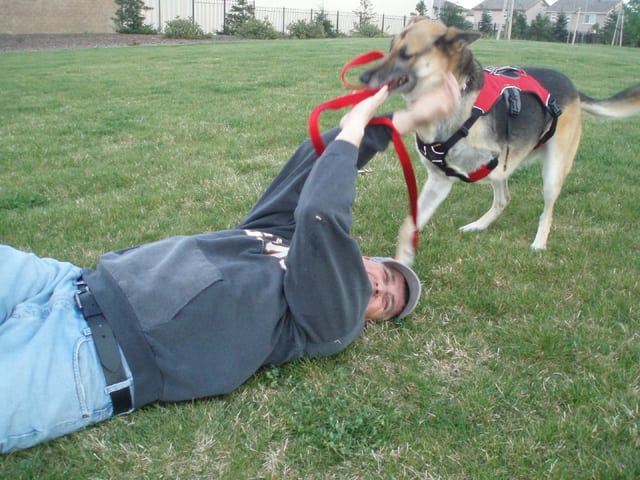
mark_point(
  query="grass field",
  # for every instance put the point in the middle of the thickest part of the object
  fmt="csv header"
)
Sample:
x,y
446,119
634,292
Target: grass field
x,y
516,365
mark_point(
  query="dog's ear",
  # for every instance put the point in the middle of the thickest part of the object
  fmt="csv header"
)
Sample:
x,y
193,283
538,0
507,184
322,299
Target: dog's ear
x,y
417,19
454,37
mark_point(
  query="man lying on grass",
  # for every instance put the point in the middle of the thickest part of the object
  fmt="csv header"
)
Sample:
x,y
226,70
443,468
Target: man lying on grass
x,y
196,316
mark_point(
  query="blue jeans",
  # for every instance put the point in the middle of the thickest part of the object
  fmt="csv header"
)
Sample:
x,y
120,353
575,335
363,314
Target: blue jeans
x,y
51,380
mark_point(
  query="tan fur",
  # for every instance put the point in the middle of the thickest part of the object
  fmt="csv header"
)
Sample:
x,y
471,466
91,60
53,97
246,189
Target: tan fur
x,y
414,65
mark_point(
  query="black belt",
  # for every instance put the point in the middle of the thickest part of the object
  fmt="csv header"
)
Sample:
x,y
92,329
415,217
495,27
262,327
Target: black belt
x,y
106,346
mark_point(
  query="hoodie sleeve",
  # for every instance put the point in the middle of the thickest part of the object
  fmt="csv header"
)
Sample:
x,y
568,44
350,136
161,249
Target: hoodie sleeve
x,y
325,284
274,211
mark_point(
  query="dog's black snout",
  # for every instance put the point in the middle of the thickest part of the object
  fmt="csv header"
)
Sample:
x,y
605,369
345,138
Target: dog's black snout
x,y
365,77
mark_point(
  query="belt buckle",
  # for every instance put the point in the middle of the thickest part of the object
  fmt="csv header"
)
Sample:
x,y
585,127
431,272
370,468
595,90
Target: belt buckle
x,y
82,288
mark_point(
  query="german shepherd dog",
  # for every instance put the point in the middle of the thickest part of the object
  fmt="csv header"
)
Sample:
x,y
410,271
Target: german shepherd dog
x,y
500,139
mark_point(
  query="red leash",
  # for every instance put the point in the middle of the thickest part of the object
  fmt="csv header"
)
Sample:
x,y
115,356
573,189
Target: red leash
x,y
359,60
352,99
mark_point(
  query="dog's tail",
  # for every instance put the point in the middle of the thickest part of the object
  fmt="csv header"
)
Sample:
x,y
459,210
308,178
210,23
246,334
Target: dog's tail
x,y
621,105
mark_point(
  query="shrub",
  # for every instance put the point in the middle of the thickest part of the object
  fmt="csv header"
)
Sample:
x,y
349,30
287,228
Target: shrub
x,y
183,28
319,27
305,29
258,29
367,30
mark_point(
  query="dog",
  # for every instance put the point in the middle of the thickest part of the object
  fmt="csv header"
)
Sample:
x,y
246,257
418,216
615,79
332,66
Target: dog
x,y
520,126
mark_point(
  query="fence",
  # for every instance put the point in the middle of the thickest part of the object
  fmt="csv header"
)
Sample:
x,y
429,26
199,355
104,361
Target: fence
x,y
210,15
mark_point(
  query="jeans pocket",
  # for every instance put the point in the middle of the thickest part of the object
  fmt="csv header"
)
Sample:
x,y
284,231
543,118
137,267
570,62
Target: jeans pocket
x,y
92,400
87,401
65,392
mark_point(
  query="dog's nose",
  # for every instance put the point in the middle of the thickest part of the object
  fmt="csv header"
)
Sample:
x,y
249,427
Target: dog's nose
x,y
365,77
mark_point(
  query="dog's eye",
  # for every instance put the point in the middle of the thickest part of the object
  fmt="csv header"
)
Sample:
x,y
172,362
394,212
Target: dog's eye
x,y
403,53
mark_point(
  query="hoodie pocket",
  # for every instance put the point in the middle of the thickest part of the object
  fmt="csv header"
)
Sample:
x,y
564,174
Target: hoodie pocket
x,y
160,278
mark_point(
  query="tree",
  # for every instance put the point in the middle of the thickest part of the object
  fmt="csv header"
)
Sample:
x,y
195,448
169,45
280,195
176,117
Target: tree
x,y
365,27
421,9
632,23
560,32
451,15
486,23
366,13
323,19
519,28
541,29
129,17
609,28
241,12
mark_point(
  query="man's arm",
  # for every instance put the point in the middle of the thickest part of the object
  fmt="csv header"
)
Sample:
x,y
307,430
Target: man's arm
x,y
274,212
326,285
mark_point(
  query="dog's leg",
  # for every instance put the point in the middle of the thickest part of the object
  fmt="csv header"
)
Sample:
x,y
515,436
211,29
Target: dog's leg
x,y
552,180
557,159
501,198
554,172
436,189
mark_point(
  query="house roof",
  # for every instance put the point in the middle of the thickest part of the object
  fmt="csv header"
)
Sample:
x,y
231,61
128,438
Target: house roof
x,y
519,5
591,6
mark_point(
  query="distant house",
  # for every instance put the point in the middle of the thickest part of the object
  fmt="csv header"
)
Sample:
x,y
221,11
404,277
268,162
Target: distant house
x,y
582,15
499,9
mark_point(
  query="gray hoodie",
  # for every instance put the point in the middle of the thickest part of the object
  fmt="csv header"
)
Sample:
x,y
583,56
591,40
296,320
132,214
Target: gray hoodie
x,y
197,315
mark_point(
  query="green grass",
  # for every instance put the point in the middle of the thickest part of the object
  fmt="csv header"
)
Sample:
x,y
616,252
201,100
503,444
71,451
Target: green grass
x,y
516,365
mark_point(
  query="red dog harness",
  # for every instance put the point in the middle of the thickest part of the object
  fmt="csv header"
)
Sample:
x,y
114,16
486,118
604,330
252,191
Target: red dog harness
x,y
499,82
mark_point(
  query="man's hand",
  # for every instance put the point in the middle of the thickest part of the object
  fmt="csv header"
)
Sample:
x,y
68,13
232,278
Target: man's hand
x,y
354,122
430,107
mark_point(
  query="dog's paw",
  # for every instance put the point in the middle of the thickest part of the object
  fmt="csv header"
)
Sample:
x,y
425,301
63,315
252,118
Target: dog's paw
x,y
405,257
473,227
538,248
405,253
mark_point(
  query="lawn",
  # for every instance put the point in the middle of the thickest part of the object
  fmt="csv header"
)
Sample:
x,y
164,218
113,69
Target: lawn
x,y
516,365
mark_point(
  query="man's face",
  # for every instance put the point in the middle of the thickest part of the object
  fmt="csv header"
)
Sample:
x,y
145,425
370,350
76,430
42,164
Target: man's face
x,y
388,291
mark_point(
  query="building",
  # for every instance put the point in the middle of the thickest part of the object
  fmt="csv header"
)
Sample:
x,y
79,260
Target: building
x,y
500,9
57,16
583,15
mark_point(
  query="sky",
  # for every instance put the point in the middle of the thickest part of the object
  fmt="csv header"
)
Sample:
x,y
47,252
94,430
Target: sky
x,y
389,7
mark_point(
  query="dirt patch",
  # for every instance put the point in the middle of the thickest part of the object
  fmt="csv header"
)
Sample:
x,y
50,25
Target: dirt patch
x,y
64,41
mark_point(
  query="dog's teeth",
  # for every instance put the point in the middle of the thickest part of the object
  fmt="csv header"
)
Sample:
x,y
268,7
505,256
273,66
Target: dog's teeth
x,y
398,82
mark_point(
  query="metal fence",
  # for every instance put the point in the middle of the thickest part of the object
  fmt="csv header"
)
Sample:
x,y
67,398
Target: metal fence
x,y
210,15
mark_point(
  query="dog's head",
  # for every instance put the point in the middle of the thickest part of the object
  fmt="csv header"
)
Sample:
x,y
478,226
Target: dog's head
x,y
419,56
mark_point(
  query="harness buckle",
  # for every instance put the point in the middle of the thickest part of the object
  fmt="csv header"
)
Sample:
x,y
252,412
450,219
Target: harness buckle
x,y
435,149
555,109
